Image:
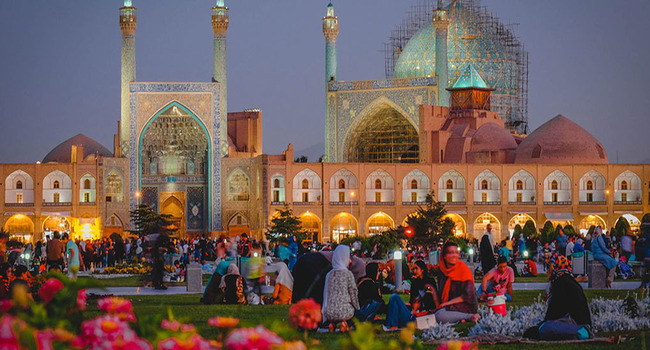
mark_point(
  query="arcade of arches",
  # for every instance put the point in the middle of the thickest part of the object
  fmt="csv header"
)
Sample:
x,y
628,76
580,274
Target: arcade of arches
x,y
20,227
379,223
343,225
519,219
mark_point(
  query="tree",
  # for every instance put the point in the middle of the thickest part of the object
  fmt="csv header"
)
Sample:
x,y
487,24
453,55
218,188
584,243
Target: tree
x,y
428,224
146,221
517,231
621,228
569,230
547,232
529,229
284,225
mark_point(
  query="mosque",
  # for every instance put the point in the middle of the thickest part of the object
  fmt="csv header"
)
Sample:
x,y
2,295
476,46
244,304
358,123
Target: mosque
x,y
455,126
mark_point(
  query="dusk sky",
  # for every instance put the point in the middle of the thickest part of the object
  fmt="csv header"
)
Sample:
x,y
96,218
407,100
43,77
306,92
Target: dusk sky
x,y
60,64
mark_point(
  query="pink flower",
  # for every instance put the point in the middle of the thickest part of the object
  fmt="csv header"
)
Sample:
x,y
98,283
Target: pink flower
x,y
195,342
170,325
44,339
258,338
188,328
106,329
115,305
305,314
8,337
49,289
82,299
5,305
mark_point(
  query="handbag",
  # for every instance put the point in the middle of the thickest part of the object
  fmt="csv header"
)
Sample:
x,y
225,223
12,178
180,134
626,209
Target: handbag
x,y
425,322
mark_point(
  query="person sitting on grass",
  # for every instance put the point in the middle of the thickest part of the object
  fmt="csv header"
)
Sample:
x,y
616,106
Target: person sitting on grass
x,y
340,295
504,251
234,287
370,299
498,280
283,286
422,299
456,290
530,268
213,294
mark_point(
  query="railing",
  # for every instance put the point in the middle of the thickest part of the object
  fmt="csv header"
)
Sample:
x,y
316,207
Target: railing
x,y
277,203
627,202
345,203
307,203
522,203
592,203
487,203
19,204
87,204
558,203
414,203
380,203
57,204
455,203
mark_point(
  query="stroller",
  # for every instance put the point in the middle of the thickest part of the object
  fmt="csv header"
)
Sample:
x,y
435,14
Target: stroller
x,y
624,270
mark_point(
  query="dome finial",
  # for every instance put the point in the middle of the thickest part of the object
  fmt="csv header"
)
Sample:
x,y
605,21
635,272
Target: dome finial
x,y
128,3
220,3
330,10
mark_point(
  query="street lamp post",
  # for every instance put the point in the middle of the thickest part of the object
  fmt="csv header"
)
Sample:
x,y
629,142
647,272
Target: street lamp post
x,y
397,257
351,217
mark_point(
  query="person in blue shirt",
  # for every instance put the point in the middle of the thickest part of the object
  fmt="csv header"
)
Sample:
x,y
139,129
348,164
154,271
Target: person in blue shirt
x,y
504,251
602,254
293,252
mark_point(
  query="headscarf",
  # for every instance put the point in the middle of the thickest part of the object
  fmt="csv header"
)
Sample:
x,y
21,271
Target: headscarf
x,y
222,268
371,270
458,272
340,262
232,270
561,266
284,276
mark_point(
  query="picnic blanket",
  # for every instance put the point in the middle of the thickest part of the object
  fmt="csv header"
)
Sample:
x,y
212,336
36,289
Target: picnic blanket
x,y
504,339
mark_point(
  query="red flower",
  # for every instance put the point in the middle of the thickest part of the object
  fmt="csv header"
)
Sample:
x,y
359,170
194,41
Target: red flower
x,y
115,305
223,322
5,305
49,289
195,342
305,314
82,298
170,325
258,338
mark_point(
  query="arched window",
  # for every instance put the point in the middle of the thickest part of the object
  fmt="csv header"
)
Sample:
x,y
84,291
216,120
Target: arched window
x,y
56,184
414,184
484,185
623,185
378,184
341,183
590,185
450,184
520,185
86,184
554,185
276,183
305,184
19,185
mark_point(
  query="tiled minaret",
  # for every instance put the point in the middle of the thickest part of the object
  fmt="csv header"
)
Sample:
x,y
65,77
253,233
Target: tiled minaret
x,y
128,23
331,31
441,23
220,27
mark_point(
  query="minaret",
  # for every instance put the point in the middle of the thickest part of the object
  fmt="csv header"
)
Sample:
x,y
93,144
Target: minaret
x,y
220,27
128,22
331,31
441,24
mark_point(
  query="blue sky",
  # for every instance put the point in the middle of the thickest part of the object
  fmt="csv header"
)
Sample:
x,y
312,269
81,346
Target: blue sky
x,y
60,64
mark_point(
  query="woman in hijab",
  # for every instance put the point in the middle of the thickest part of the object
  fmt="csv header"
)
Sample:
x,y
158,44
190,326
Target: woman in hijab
x,y
456,290
370,299
340,298
565,297
233,286
601,253
283,286
422,299
213,293
293,252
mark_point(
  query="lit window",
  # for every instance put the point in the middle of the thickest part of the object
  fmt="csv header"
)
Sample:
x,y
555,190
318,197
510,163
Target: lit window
x,y
623,197
305,183
341,196
554,197
414,184
450,184
341,183
276,183
484,197
86,184
57,198
590,197
414,196
305,197
624,185
378,184
86,197
56,184
590,185
519,197
520,185
19,185
554,185
450,197
378,197
484,185
19,197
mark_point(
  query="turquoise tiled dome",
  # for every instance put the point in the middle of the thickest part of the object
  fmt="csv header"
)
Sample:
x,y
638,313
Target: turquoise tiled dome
x,y
418,59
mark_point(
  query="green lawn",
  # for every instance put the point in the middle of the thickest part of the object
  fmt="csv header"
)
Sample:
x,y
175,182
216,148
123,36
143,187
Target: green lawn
x,y
187,308
135,281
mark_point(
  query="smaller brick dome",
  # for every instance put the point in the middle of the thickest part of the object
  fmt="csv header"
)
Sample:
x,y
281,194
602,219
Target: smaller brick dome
x,y
492,137
560,141
63,152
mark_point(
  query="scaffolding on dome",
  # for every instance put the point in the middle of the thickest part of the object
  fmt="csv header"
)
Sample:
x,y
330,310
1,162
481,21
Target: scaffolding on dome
x,y
386,137
473,32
